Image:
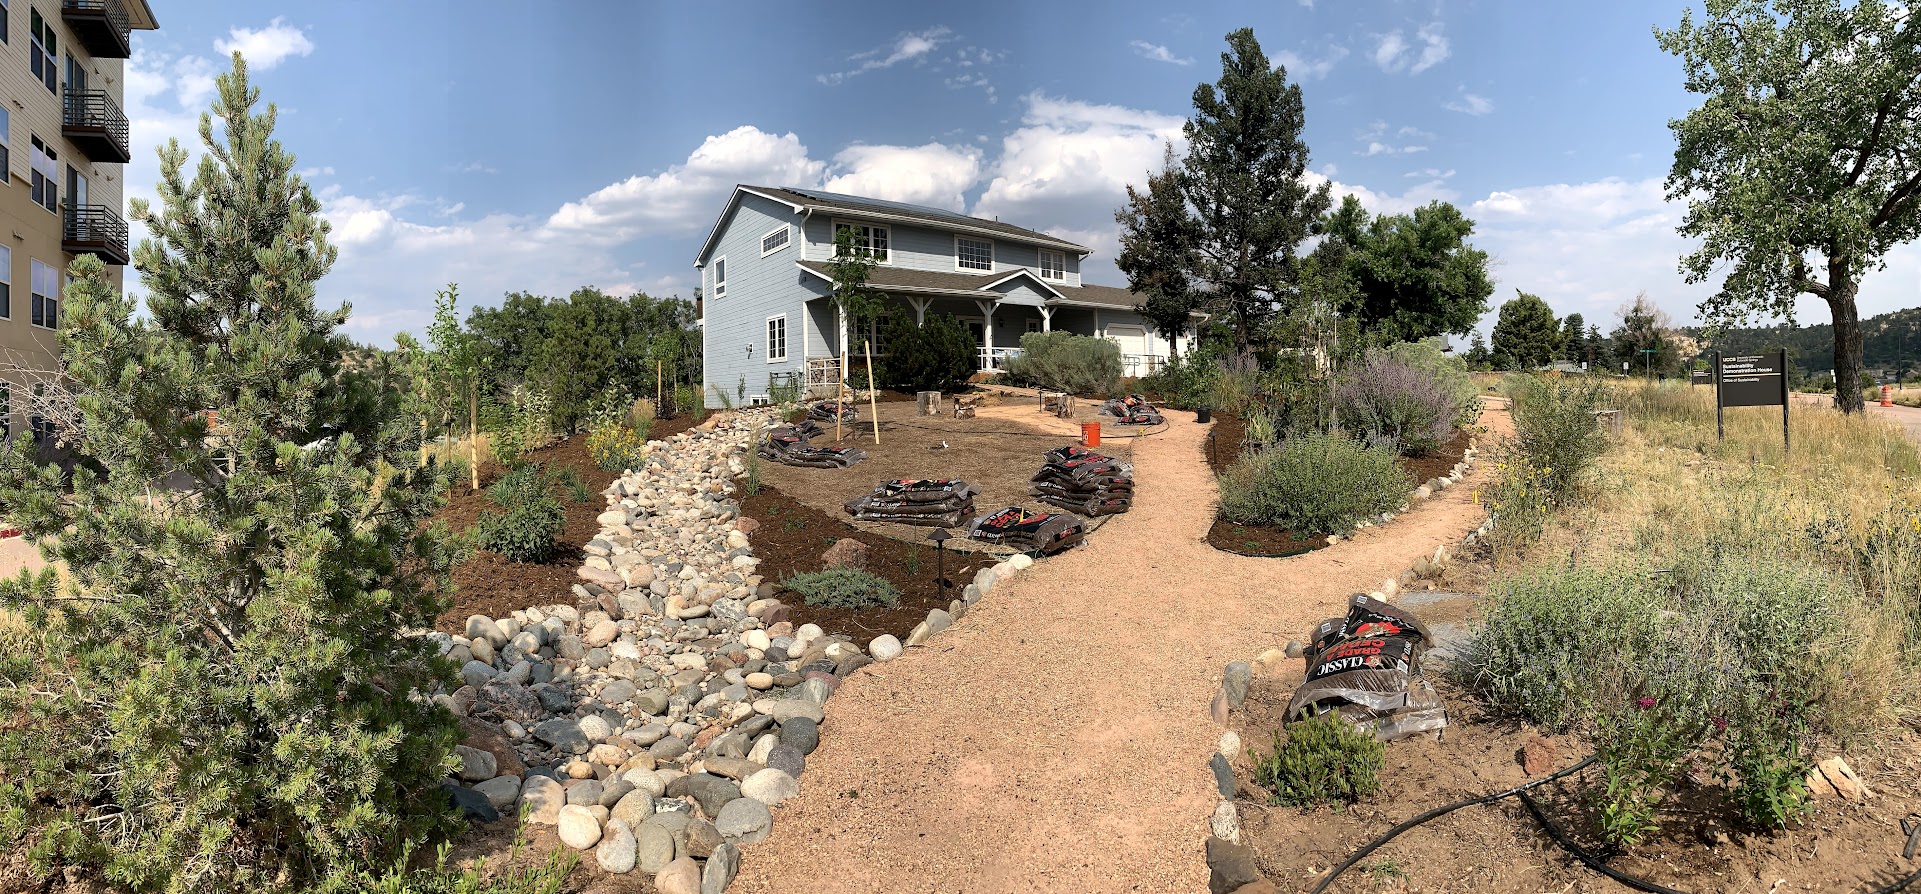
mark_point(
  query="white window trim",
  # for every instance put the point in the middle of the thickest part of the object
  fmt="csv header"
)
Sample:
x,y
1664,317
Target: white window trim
x,y
719,267
32,291
1040,265
957,256
769,338
834,228
6,276
783,228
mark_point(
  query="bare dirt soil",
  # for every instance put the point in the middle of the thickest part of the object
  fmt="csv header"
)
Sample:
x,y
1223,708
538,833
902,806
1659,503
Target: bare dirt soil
x,y
1227,444
1841,847
1057,738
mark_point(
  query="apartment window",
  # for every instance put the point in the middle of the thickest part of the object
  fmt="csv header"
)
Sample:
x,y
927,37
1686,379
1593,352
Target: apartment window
x,y
775,241
777,338
46,176
40,54
720,276
973,254
6,130
871,241
1053,265
6,282
41,426
46,295
6,399
6,12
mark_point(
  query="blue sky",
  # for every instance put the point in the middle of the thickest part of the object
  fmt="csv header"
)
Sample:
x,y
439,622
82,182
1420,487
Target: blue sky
x,y
471,142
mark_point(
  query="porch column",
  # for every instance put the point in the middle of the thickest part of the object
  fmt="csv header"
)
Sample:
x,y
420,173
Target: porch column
x,y
920,309
987,309
1047,318
840,323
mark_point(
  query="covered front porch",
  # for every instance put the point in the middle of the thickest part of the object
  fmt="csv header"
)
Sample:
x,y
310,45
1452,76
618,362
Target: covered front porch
x,y
996,324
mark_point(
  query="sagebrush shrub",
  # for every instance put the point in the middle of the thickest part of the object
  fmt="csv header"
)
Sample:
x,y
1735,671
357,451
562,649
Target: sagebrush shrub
x,y
1313,482
1063,361
843,587
1555,429
1385,396
217,691
1320,760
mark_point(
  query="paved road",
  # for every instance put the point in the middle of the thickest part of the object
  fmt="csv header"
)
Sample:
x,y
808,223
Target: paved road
x,y
1908,418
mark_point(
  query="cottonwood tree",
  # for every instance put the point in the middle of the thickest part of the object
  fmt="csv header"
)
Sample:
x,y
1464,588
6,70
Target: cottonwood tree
x,y
1416,275
216,693
1244,178
1157,250
1802,166
1527,332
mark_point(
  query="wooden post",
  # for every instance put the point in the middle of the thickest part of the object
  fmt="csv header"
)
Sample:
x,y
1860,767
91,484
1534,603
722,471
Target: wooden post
x,y
473,432
873,405
840,388
423,439
658,385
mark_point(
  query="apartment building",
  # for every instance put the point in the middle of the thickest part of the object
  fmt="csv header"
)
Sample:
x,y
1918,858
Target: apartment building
x,y
65,144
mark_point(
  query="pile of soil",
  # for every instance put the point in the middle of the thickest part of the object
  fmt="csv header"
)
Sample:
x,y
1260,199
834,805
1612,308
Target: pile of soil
x,y
490,584
793,535
1702,846
1273,541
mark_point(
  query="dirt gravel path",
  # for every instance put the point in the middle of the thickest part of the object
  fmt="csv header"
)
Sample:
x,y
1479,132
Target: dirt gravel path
x,y
1056,739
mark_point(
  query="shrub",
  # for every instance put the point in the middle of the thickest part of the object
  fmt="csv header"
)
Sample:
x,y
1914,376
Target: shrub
x,y
1382,395
515,876
1186,381
1555,430
617,447
1447,370
527,482
1520,503
1314,482
939,355
525,531
1322,760
1063,361
843,587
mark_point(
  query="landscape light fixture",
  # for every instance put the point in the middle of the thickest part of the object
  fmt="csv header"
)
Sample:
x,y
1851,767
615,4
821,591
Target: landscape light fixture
x,y
940,538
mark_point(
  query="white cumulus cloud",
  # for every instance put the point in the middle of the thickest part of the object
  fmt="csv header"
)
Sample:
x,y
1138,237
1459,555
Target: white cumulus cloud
x,y
935,174
1395,53
1301,68
266,47
688,195
1157,52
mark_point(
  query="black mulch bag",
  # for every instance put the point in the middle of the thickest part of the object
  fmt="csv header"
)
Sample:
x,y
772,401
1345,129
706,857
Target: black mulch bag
x,y
1049,532
925,490
828,411
1366,665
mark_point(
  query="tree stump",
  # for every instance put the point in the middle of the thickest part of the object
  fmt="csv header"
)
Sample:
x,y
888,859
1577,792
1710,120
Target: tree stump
x,y
927,402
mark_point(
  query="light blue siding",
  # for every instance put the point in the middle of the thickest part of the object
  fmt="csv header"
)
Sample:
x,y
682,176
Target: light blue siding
x,y
757,288
930,248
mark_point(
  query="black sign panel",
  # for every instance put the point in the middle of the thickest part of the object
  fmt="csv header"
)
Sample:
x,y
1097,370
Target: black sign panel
x,y
1700,377
1754,380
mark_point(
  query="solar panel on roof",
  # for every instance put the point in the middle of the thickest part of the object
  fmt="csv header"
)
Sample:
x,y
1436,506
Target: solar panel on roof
x,y
883,203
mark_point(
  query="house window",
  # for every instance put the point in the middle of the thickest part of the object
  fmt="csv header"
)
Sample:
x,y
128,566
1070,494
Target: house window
x,y
777,338
6,130
6,282
46,176
1053,265
874,331
40,54
1033,326
720,276
46,295
775,241
871,240
973,254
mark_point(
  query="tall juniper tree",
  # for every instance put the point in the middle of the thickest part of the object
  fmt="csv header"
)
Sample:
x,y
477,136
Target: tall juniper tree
x,y
1245,179
218,694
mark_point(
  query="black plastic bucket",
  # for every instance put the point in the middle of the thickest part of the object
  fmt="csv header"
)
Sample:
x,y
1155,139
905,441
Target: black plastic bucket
x,y
1203,416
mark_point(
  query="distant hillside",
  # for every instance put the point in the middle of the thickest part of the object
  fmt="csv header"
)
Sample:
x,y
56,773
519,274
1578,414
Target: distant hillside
x,y
1887,341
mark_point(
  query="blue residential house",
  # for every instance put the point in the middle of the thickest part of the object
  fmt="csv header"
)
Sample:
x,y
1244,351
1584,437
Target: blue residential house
x,y
767,317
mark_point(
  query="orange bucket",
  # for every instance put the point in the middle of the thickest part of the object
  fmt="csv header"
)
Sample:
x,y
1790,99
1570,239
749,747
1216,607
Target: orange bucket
x,y
1090,434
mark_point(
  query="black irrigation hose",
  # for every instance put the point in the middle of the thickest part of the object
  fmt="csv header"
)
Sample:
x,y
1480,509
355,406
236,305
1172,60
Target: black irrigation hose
x,y
1560,838
1395,832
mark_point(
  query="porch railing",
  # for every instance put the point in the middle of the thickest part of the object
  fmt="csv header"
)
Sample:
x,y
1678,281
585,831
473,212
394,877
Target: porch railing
x,y
1136,365
992,359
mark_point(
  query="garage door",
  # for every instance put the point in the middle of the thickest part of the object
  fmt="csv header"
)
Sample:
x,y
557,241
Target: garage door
x,y
1133,342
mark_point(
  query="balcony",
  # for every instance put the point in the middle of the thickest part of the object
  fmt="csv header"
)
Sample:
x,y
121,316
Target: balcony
x,y
95,230
93,122
100,25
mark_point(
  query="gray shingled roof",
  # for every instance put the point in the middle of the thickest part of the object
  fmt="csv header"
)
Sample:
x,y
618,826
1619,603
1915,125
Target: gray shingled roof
x,y
855,204
886,277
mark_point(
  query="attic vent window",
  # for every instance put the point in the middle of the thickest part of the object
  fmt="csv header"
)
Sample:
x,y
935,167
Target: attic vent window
x,y
775,241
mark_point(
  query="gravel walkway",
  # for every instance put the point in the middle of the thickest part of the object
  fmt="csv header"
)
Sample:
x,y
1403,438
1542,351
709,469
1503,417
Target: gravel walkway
x,y
1057,738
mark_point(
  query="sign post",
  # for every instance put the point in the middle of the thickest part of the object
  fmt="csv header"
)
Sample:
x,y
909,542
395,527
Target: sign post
x,y
1751,380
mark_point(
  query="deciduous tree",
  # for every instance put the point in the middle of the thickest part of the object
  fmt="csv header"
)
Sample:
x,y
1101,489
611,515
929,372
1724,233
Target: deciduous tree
x,y
1802,166
1416,273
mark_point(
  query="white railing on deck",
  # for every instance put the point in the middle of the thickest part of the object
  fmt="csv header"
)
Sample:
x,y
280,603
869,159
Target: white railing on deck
x,y
991,359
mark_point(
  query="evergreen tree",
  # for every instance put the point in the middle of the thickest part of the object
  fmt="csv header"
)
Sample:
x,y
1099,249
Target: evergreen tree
x,y
1644,339
1157,250
217,694
1574,339
1477,355
1598,347
1527,333
1245,180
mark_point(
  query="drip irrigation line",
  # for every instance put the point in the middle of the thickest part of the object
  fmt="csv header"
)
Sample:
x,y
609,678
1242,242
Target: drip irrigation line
x,y
1443,810
1561,839
1154,430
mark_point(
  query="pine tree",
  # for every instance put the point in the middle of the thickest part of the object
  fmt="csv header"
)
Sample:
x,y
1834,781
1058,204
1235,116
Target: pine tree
x,y
1574,339
218,694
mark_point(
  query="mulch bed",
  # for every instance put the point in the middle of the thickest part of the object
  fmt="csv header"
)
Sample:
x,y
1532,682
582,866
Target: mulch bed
x,y
488,583
1276,542
793,535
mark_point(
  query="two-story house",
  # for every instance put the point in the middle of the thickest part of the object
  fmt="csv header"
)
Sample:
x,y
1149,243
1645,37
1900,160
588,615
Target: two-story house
x,y
765,283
